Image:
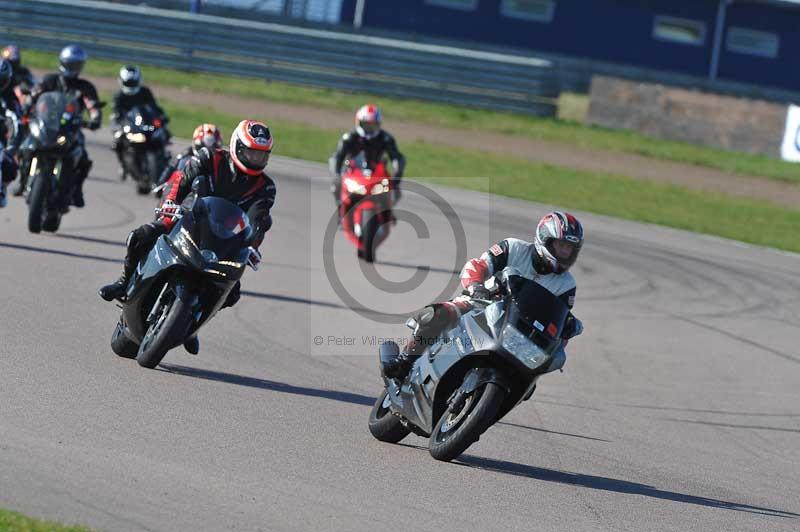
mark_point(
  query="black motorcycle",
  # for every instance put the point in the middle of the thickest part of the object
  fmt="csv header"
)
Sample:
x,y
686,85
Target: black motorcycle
x,y
53,150
144,147
183,281
475,372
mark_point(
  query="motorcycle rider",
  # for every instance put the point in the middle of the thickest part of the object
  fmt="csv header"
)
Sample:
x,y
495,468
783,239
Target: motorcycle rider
x,y
71,61
131,94
23,78
369,137
546,260
9,112
205,135
237,175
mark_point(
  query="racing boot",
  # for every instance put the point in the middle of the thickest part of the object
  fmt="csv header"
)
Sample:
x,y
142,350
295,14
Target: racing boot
x,y
118,288
192,345
77,196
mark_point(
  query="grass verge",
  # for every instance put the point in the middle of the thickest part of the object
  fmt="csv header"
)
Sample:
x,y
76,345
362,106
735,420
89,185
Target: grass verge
x,y
16,522
566,131
757,222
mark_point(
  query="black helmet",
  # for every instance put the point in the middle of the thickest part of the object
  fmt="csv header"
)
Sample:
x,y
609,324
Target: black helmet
x,y
558,240
130,79
6,73
12,55
72,59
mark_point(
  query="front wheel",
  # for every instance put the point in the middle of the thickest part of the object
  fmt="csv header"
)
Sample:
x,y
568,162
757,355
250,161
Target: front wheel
x,y
37,200
384,425
167,330
464,421
369,233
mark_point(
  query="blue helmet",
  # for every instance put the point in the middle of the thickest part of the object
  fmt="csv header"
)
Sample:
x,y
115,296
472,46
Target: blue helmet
x,y
72,59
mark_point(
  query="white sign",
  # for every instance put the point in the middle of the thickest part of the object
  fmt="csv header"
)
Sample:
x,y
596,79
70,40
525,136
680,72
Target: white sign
x,y
790,149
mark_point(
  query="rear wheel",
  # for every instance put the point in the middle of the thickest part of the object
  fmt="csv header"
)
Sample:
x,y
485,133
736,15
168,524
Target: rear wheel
x,y
167,330
464,421
384,425
121,344
36,204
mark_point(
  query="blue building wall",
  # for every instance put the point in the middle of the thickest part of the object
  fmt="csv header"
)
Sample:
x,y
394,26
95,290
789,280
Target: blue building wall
x,y
618,31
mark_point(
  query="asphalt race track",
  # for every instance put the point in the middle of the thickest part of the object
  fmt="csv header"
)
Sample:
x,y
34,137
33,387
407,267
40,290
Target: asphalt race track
x,y
677,410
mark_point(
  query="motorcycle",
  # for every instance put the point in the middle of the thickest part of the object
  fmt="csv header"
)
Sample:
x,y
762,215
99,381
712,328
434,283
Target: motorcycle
x,y
144,142
474,373
184,280
53,150
365,209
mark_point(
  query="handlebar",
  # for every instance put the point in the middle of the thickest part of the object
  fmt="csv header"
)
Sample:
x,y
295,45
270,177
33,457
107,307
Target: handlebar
x,y
172,214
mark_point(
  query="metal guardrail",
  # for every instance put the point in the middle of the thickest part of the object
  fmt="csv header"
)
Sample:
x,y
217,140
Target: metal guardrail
x,y
331,59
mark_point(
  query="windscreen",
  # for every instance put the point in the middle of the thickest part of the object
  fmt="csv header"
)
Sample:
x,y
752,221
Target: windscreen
x,y
50,108
220,226
141,115
537,312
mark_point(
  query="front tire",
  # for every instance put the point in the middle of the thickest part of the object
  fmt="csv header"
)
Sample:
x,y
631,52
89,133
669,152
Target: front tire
x,y
456,430
36,204
167,331
370,233
384,425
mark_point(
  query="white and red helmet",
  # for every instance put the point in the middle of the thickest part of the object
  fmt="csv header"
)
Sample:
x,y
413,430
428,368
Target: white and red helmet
x,y
206,135
251,145
558,240
368,121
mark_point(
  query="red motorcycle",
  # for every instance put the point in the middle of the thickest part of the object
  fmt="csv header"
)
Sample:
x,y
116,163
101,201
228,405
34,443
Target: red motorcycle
x,y
366,205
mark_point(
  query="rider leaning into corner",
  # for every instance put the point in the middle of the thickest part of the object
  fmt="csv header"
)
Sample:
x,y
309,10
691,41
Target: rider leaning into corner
x,y
9,113
72,59
204,136
236,175
131,94
546,260
370,138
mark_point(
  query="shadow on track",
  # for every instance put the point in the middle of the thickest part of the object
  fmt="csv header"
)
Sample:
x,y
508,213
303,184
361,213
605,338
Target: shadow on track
x,y
22,247
93,240
507,424
611,484
263,384
417,267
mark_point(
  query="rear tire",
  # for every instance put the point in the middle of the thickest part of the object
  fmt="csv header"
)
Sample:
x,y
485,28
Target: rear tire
x,y
384,425
121,344
168,330
456,431
36,204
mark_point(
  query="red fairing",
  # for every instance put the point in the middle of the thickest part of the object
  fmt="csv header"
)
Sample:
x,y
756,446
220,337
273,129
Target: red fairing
x,y
475,271
173,185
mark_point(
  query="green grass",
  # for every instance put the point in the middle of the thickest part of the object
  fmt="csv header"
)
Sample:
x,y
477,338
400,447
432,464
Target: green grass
x,y
742,219
569,129
16,522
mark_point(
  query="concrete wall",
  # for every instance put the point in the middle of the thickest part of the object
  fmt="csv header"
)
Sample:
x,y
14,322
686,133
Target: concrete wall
x,y
738,124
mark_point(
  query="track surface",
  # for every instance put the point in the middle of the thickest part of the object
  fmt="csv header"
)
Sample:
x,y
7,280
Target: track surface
x,y
677,409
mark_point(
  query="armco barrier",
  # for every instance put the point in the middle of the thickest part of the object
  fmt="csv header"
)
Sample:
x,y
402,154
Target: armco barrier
x,y
322,58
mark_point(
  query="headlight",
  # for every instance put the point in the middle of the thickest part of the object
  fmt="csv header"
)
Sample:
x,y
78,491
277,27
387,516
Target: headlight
x,y
523,348
380,188
353,187
137,138
35,129
61,140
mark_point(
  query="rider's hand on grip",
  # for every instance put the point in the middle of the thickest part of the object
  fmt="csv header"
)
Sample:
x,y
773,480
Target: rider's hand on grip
x,y
254,260
477,291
